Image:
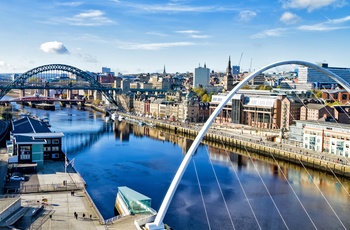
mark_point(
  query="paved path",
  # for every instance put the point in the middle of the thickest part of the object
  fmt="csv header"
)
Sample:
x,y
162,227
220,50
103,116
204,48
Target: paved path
x,y
61,204
64,205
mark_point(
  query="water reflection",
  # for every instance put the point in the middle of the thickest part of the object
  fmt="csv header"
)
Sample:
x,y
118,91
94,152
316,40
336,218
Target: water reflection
x,y
112,154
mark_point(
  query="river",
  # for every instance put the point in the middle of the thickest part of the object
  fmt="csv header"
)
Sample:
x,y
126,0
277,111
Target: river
x,y
238,192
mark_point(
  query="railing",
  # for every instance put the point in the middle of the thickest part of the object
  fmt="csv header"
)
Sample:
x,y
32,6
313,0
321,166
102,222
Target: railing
x,y
41,220
100,217
16,216
143,221
111,220
50,187
12,199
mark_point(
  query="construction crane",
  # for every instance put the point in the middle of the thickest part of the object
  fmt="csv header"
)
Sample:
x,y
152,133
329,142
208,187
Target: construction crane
x,y
250,66
240,59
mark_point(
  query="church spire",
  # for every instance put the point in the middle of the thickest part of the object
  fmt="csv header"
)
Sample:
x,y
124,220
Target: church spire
x,y
164,72
228,69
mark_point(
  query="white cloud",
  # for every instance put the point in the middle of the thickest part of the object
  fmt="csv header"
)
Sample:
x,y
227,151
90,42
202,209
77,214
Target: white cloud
x,y
70,3
54,47
320,27
153,46
187,31
192,33
269,33
311,4
330,25
86,18
157,34
9,68
246,15
289,18
173,7
199,36
340,20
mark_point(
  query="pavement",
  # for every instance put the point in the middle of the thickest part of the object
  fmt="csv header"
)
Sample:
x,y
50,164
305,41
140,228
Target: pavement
x,y
52,205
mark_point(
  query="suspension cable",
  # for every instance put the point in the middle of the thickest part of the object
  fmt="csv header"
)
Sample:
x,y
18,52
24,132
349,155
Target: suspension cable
x,y
240,184
200,190
222,195
267,190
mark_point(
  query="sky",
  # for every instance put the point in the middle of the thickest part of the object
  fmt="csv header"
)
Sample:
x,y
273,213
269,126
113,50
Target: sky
x,y
144,36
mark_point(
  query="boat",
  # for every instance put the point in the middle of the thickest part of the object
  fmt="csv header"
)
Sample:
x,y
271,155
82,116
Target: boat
x,y
114,116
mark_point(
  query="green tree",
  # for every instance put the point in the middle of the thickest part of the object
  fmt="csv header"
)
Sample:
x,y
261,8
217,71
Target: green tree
x,y
200,91
246,86
318,94
205,98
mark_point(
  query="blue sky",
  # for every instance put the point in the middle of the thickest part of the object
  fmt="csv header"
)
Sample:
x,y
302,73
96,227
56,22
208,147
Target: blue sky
x,y
142,35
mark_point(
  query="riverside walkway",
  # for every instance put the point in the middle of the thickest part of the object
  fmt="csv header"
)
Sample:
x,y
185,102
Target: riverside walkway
x,y
46,189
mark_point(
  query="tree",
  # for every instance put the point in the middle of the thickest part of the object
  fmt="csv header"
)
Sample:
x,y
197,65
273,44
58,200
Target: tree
x,y
263,87
200,91
246,86
205,98
318,94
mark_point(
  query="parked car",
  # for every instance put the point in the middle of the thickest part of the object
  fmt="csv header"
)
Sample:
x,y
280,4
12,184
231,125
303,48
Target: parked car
x,y
17,176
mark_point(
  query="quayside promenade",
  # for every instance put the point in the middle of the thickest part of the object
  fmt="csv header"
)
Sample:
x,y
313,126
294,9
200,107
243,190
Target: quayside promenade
x,y
235,138
52,189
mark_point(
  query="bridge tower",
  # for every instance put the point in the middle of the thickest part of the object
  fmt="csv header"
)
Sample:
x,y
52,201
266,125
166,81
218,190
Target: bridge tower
x,y
69,93
22,93
46,93
97,95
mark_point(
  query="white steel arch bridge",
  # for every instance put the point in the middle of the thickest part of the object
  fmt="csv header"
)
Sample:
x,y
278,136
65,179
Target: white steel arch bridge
x,y
158,222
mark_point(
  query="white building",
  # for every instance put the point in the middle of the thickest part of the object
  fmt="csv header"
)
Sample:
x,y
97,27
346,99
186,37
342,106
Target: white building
x,y
201,76
308,75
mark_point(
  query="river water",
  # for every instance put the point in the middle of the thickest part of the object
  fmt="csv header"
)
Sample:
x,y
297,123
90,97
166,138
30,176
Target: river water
x,y
238,192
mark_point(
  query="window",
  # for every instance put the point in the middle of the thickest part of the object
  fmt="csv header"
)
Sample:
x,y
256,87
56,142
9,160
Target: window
x,y
47,148
25,152
55,141
55,148
48,141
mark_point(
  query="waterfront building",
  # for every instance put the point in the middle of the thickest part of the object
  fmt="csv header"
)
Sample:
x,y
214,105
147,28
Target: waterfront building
x,y
32,142
201,76
327,137
258,111
130,202
290,110
233,110
312,111
342,114
336,95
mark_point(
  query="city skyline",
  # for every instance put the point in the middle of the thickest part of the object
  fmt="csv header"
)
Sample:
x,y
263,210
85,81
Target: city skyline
x,y
144,36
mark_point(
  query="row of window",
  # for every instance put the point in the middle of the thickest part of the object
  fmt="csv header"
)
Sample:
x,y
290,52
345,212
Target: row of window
x,y
54,148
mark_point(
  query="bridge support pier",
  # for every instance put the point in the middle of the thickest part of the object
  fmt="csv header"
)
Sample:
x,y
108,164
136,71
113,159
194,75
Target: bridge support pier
x,y
46,93
153,226
69,94
22,93
97,95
